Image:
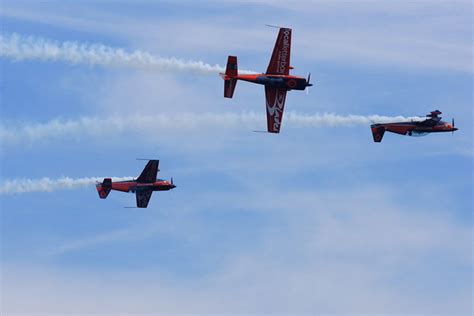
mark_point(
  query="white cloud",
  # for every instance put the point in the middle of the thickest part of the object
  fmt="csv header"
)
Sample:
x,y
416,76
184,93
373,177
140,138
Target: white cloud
x,y
134,234
368,46
360,254
409,34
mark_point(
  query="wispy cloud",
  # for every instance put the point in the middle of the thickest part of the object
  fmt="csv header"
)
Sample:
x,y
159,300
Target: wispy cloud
x,y
95,126
357,250
431,34
125,234
13,186
20,47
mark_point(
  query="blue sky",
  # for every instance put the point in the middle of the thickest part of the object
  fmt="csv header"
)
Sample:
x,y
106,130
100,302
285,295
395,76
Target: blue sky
x,y
315,220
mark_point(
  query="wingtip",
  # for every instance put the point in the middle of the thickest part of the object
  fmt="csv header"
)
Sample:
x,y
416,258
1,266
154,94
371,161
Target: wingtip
x,y
148,159
277,26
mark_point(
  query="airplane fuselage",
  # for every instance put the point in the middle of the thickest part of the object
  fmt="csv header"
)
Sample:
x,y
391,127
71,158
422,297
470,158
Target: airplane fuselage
x,y
132,186
410,128
432,124
286,82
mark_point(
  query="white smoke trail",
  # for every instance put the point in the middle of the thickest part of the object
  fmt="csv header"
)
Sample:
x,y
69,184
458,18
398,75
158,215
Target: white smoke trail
x,y
20,47
181,122
47,184
331,119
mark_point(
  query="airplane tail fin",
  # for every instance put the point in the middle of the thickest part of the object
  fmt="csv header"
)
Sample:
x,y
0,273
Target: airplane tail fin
x,y
377,132
231,72
104,188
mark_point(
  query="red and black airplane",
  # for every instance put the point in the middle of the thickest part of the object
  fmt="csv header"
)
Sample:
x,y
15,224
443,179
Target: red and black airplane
x,y
277,79
432,124
143,186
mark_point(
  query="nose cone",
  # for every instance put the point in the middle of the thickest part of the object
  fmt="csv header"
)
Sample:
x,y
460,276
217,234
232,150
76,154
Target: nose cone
x,y
172,186
454,129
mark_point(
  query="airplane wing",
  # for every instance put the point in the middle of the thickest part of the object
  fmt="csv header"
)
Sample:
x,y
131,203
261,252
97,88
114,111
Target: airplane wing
x,y
143,197
149,173
280,61
275,100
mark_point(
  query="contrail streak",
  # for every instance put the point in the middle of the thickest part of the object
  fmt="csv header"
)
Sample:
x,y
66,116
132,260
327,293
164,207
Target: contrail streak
x,y
20,47
180,122
47,184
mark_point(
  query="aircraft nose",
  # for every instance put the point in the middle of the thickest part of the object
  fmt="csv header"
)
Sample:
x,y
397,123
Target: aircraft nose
x,y
454,129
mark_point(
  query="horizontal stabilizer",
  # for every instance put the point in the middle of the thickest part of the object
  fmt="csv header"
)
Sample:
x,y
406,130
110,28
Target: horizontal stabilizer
x,y
229,87
377,132
230,80
104,188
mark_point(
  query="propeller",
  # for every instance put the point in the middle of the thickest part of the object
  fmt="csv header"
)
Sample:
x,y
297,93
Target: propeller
x,y
172,183
452,124
308,84
171,189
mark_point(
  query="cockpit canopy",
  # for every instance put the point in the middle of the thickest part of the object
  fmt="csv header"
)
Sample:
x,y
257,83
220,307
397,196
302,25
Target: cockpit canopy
x,y
434,114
